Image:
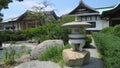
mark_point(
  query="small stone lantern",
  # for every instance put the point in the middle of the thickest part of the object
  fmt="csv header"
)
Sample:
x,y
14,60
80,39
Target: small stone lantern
x,y
76,56
77,37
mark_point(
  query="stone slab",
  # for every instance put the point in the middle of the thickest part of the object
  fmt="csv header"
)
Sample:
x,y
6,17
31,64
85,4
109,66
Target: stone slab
x,y
75,58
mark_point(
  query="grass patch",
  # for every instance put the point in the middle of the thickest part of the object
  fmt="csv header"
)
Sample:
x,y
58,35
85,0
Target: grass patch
x,y
54,54
100,56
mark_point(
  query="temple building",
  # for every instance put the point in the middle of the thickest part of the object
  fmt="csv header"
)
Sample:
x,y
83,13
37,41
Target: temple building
x,y
29,19
99,18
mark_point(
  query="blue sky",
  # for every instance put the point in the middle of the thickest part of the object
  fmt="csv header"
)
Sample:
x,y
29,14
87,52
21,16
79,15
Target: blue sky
x,y
60,6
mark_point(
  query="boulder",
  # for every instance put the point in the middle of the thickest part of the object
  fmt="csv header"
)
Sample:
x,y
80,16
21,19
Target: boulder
x,y
75,58
38,64
39,50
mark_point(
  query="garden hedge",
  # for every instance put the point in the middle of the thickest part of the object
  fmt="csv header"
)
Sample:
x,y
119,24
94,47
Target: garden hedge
x,y
42,33
109,47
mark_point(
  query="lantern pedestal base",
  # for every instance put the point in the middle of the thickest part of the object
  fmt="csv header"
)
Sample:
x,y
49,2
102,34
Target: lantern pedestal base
x,y
75,58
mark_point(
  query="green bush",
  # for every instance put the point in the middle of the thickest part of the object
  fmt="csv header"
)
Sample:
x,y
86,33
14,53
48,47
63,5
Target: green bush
x,y
41,33
117,30
45,32
13,35
109,47
49,31
112,30
88,41
107,30
66,19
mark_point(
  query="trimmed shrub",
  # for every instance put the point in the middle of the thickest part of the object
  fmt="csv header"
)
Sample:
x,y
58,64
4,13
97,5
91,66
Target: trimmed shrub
x,y
112,30
107,30
109,47
13,35
49,31
117,30
41,33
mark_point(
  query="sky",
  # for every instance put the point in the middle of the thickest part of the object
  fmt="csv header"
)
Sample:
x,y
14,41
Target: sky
x,y
60,7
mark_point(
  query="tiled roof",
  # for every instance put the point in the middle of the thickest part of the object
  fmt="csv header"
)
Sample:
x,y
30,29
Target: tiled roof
x,y
100,10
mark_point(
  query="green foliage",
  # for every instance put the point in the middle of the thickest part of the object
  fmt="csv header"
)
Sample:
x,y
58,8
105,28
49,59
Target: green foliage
x,y
41,16
28,51
117,30
4,3
41,33
88,41
1,26
109,47
23,51
54,54
9,56
100,56
66,19
49,31
112,30
107,30
13,36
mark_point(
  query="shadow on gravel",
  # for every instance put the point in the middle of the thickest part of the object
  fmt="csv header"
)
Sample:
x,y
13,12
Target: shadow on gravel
x,y
90,47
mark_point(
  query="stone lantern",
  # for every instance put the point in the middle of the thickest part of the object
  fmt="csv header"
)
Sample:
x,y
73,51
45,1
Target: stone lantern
x,y
76,56
77,37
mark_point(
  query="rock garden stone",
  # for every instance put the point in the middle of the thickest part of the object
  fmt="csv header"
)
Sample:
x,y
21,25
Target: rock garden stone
x,y
75,58
39,50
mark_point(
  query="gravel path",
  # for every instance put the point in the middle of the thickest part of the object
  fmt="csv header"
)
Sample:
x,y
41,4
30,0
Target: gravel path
x,y
95,61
